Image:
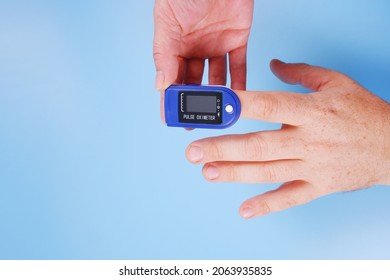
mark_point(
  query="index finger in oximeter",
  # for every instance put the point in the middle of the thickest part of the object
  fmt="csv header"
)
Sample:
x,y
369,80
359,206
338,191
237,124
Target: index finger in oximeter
x,y
198,106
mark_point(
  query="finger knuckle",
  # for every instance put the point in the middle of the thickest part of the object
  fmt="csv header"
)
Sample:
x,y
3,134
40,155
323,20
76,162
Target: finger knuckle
x,y
230,172
157,53
264,207
268,173
215,151
322,107
267,105
254,147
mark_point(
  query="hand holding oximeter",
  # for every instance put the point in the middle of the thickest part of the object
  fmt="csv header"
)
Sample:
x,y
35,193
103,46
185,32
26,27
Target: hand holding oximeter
x,y
199,106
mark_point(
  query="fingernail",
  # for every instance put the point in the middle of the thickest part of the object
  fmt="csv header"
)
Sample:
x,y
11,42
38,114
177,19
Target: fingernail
x,y
195,154
211,172
159,82
247,213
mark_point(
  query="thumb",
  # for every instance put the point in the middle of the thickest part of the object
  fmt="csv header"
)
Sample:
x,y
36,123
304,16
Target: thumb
x,y
166,47
169,69
312,77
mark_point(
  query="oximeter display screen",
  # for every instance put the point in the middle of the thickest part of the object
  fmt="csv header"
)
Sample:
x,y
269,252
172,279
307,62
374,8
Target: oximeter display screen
x,y
200,107
201,104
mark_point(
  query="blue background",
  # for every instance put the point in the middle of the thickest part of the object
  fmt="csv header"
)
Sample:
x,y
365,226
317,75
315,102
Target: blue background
x,y
88,171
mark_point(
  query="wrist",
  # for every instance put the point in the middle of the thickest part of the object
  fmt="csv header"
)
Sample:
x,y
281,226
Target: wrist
x,y
386,148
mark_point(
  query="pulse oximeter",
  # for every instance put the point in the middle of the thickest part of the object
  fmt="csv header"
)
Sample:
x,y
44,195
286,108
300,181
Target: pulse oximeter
x,y
199,106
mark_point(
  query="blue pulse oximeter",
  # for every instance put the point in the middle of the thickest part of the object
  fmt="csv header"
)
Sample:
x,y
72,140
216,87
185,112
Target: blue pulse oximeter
x,y
199,106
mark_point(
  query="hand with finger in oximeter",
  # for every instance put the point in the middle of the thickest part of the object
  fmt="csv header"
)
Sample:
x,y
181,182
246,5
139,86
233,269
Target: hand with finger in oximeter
x,y
333,139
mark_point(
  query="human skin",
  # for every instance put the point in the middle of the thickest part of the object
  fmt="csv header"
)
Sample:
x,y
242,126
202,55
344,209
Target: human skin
x,y
334,139
188,32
